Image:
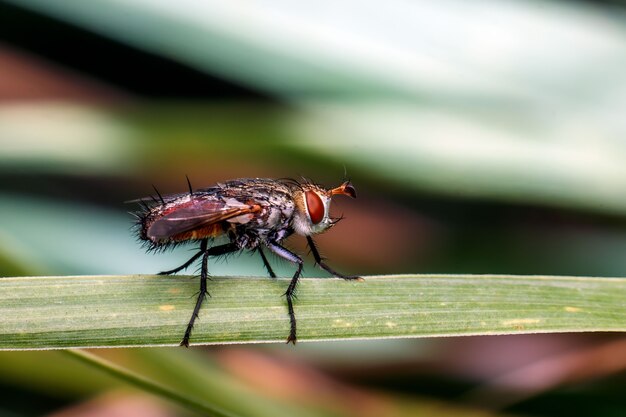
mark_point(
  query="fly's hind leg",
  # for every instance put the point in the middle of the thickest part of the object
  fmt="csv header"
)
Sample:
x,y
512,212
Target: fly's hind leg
x,y
204,274
203,246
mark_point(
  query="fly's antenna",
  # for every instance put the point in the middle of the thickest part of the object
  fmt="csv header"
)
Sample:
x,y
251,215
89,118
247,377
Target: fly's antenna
x,y
159,194
189,184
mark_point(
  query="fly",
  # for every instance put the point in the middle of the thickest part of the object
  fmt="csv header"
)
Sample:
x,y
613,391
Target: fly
x,y
252,214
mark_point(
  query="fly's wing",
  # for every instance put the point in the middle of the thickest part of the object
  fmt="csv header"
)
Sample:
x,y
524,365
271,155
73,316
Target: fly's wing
x,y
199,213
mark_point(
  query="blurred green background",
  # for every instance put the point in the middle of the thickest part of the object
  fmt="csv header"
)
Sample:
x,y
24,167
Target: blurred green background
x,y
482,137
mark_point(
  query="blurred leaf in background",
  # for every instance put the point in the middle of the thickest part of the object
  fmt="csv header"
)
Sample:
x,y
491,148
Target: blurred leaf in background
x,y
483,137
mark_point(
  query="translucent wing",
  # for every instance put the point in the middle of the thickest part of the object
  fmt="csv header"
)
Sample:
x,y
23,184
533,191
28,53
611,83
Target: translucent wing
x,y
198,213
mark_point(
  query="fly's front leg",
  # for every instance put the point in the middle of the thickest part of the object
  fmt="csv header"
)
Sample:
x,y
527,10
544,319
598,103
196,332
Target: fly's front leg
x,y
289,294
322,264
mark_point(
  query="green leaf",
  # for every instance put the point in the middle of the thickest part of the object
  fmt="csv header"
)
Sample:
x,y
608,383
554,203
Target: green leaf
x,y
147,384
138,310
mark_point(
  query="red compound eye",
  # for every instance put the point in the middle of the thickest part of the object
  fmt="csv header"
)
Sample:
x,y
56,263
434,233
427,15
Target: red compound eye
x,y
315,206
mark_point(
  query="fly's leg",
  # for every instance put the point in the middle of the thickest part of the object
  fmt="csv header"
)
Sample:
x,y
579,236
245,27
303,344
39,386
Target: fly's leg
x,y
201,296
266,263
322,264
203,246
204,274
292,257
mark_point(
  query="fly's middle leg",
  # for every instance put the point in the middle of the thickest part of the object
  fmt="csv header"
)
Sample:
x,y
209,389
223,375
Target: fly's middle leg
x,y
290,293
266,263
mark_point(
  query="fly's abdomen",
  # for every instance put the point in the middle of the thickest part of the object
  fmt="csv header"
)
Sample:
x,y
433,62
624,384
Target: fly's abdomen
x,y
208,232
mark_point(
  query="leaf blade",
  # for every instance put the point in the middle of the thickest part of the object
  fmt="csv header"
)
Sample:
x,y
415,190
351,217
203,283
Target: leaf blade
x,y
145,310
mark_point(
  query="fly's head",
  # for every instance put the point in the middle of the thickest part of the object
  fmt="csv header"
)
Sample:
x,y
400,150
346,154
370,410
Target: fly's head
x,y
312,214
